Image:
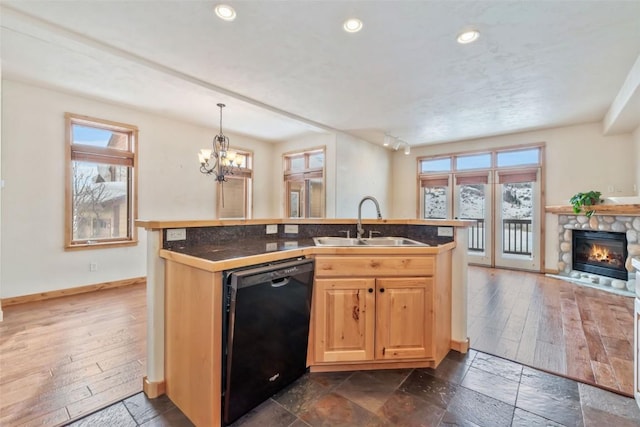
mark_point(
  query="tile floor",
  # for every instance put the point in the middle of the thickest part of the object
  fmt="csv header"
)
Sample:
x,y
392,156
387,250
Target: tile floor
x,y
475,389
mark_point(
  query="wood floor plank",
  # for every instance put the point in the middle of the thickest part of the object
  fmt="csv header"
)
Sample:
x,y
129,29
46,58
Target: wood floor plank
x,y
70,356
555,325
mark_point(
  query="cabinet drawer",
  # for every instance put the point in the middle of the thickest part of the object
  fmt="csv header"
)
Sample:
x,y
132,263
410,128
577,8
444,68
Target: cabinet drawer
x,y
377,266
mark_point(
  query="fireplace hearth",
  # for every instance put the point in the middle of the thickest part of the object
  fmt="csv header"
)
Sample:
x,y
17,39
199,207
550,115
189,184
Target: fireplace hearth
x,y
600,252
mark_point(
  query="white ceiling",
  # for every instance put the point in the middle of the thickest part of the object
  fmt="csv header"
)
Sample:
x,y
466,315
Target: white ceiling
x,y
286,67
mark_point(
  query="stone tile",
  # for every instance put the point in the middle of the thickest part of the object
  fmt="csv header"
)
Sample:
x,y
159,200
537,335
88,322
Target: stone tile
x,y
299,395
551,384
367,390
495,386
404,409
597,418
523,418
433,390
171,418
268,413
329,379
450,370
298,423
143,409
466,358
550,396
479,409
336,411
392,377
454,420
602,400
114,415
498,366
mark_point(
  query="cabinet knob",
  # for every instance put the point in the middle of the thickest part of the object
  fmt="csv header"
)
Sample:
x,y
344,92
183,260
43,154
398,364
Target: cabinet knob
x,y
381,290
370,290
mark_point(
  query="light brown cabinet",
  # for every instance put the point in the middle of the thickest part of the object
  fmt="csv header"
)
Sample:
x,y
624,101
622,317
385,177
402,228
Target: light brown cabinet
x,y
366,319
373,310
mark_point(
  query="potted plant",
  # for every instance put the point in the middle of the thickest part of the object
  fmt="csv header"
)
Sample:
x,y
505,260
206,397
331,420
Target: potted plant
x,y
581,201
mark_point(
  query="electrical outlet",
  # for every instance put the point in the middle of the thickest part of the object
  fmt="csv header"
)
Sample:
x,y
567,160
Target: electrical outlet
x,y
272,228
445,231
291,228
174,234
93,266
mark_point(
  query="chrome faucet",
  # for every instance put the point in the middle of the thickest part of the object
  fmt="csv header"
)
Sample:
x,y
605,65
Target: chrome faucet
x,y
360,230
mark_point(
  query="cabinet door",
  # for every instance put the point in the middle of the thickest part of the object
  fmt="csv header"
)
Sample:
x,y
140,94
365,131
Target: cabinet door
x,y
344,311
404,318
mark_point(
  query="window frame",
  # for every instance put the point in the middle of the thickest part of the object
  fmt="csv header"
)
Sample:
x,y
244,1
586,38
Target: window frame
x,y
245,174
305,175
107,156
454,171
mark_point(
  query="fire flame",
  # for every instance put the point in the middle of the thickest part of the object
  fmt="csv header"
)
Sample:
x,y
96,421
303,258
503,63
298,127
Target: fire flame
x,y
599,253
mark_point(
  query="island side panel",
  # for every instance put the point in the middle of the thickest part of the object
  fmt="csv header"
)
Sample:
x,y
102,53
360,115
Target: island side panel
x,y
442,306
459,337
153,383
193,341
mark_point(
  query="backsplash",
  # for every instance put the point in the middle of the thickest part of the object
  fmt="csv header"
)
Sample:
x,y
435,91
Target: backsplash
x,y
199,236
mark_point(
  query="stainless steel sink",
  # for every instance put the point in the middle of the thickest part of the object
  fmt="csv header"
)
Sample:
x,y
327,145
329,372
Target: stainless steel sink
x,y
373,241
392,241
337,241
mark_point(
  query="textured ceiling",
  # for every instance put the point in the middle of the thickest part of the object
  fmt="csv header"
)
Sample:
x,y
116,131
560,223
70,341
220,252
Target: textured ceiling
x,y
286,67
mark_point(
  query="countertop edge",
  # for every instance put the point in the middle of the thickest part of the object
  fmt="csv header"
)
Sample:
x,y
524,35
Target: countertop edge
x,y
217,266
162,224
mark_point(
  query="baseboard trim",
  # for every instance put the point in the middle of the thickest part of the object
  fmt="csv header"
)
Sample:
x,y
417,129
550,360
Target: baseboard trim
x,y
71,291
460,346
151,389
551,271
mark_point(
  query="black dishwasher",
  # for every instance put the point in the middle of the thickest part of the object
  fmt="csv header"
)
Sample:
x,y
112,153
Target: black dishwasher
x,y
265,332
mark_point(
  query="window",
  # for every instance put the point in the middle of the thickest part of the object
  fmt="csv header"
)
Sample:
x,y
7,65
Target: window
x,y
234,195
304,184
101,189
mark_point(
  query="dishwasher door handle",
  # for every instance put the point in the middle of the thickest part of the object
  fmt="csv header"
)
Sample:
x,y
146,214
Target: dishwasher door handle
x,y
278,283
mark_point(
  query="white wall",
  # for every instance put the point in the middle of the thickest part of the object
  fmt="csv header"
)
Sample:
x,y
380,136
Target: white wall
x,y
363,169
578,158
327,140
636,146
170,187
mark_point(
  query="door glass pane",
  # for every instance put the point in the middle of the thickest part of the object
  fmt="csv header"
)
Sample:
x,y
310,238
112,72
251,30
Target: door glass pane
x,y
475,161
95,137
518,158
234,198
517,218
316,194
296,164
435,165
472,207
435,202
100,197
316,160
296,194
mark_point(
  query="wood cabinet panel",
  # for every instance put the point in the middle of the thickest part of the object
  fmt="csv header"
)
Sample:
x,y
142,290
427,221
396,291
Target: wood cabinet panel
x,y
376,266
404,318
344,320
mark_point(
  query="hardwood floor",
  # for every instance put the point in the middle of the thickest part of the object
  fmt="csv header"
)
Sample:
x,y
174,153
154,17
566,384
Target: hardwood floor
x,y
553,325
63,358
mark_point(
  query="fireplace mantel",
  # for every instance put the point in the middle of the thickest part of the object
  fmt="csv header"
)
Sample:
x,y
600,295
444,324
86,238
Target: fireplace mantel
x,y
604,209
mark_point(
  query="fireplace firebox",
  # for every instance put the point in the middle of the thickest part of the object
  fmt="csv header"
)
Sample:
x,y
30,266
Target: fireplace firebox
x,y
600,252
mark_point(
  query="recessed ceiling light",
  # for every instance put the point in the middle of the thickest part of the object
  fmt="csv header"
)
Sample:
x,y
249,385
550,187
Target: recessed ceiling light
x,y
468,36
352,25
225,12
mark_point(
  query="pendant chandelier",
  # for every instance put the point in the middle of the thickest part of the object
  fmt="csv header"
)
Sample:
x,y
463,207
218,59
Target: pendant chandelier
x,y
218,161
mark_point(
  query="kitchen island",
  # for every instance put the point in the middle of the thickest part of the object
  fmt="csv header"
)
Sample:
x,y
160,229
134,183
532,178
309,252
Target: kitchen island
x,y
425,288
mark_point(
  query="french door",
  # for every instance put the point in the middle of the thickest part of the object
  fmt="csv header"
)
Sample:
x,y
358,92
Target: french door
x,y
472,200
500,192
517,212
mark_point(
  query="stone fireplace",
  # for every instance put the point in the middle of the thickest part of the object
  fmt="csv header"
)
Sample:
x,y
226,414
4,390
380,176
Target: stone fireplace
x,y
597,251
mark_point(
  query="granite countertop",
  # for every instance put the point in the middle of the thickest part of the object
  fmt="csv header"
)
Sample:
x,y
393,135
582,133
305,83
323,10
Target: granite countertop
x,y
242,249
